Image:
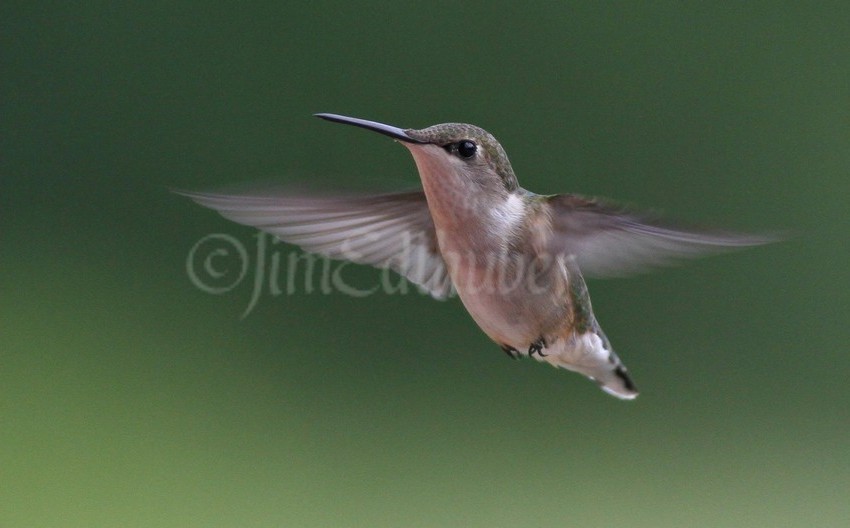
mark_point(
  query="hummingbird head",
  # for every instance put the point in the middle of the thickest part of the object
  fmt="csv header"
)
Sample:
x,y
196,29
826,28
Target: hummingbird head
x,y
468,152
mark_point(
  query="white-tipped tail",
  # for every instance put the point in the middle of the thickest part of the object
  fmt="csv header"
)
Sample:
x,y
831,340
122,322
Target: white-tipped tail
x,y
591,354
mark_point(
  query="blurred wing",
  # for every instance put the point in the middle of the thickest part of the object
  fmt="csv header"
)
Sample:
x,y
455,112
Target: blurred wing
x,y
608,241
392,231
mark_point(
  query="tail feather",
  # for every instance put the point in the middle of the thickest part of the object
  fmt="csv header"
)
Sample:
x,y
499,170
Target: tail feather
x,y
591,354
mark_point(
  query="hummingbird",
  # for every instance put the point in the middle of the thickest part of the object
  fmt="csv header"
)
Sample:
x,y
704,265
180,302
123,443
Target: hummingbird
x,y
516,259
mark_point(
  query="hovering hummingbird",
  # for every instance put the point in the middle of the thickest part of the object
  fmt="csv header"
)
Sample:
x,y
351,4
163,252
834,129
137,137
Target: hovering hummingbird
x,y
515,258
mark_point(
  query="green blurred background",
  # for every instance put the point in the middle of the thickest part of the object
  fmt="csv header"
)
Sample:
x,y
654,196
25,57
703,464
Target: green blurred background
x,y
129,397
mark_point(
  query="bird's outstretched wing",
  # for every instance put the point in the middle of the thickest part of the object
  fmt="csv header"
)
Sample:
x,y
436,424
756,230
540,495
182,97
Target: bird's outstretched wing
x,y
609,241
392,231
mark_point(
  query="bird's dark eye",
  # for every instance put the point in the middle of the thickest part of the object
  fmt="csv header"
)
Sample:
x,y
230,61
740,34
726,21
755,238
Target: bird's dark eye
x,y
466,149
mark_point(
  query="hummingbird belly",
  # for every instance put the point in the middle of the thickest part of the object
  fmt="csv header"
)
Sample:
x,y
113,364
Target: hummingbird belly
x,y
514,306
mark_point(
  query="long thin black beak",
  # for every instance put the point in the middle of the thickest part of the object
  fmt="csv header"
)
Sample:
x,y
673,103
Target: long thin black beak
x,y
387,130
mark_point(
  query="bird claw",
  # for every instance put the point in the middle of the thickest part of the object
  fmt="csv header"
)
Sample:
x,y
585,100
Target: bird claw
x,y
510,351
537,347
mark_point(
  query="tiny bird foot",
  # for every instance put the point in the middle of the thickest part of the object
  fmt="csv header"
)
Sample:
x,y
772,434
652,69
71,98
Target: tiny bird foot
x,y
537,347
510,351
